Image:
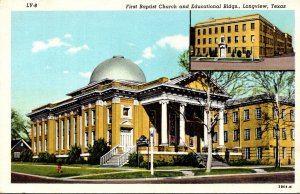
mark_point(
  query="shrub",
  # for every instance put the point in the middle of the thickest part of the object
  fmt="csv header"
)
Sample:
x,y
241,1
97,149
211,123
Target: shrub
x,y
74,154
248,53
133,162
239,53
26,156
46,157
232,54
97,150
242,162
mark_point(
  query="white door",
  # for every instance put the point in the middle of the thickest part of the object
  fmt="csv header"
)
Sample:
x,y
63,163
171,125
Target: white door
x,y
126,139
223,51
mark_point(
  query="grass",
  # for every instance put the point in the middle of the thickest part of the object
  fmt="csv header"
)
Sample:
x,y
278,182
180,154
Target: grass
x,y
132,175
223,171
273,169
175,167
51,171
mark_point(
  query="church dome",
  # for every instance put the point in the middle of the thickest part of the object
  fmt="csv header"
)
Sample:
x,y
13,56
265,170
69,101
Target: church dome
x,y
118,68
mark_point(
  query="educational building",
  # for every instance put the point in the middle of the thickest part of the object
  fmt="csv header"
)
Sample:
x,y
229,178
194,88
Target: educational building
x,y
253,35
120,106
249,128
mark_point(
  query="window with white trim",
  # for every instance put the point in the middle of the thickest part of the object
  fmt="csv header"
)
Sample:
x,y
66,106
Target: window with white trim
x,y
93,137
283,133
225,136
292,152
57,136
292,115
258,113
40,129
258,133
34,146
45,144
75,130
292,134
45,128
247,153
235,117
126,111
246,115
236,135
283,114
225,118
40,145
259,153
275,112
86,116
93,118
34,130
247,134
109,115
283,152
62,134
86,139
274,152
68,133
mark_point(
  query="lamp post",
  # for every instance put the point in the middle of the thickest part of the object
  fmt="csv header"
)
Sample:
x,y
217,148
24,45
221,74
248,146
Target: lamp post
x,y
151,145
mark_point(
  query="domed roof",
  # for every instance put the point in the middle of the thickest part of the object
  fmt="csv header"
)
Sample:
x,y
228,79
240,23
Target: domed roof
x,y
118,68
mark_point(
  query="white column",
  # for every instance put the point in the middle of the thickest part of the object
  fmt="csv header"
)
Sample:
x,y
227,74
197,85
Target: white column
x,y
164,122
221,127
182,125
205,128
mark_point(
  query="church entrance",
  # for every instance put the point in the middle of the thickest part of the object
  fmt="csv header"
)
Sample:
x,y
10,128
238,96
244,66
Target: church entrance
x,y
126,138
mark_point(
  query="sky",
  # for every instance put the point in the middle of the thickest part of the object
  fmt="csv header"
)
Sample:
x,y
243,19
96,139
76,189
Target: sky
x,y
284,20
54,53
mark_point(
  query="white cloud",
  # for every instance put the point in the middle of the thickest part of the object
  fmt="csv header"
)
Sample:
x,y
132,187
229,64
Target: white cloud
x,y
74,50
38,46
65,72
85,74
177,42
138,62
131,44
67,35
147,53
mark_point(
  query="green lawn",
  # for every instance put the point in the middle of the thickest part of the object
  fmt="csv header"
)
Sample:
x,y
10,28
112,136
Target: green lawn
x,y
175,167
223,171
273,169
51,171
131,175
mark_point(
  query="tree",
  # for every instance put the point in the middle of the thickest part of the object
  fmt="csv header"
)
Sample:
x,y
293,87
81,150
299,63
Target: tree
x,y
19,126
184,60
277,86
99,148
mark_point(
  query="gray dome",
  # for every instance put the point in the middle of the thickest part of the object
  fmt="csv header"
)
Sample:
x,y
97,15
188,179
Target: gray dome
x,y
118,68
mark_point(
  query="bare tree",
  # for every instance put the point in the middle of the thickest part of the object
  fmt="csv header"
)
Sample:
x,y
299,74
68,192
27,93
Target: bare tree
x,y
277,86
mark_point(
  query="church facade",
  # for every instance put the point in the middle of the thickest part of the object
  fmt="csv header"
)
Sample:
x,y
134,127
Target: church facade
x,y
120,106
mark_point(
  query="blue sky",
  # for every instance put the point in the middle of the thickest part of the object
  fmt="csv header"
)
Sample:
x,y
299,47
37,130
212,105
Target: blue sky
x,y
53,53
284,20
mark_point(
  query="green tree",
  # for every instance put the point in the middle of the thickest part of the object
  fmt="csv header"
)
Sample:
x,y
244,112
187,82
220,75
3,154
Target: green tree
x,y
19,126
184,60
74,154
99,148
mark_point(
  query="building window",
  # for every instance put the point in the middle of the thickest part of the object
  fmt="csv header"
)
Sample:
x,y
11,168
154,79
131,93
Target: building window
x,y
292,115
283,152
236,39
199,31
246,115
40,145
191,139
45,144
34,146
244,50
258,133
75,130
34,130
244,27
244,38
86,116
204,50
57,136
209,41
209,31
40,127
93,137
109,137
252,38
292,152
222,29
198,40
252,26
215,137
204,31
93,118
283,112
247,134
247,153
229,39
283,133
62,135
235,117
258,113
229,49
45,128
109,115
236,135
225,118
126,111
236,28
274,152
275,133
292,134
225,136
216,30
216,40
204,41
229,29
68,134
275,112
259,153
86,139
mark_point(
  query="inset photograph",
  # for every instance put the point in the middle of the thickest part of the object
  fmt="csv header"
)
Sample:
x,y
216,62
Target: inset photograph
x,y
242,40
